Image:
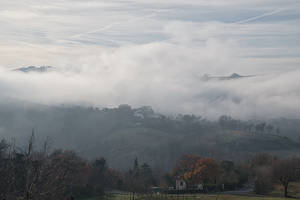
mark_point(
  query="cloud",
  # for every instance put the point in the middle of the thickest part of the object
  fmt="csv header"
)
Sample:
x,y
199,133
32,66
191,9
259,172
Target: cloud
x,y
154,53
169,81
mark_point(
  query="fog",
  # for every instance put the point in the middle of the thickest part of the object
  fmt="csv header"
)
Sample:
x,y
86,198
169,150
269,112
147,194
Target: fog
x,y
152,53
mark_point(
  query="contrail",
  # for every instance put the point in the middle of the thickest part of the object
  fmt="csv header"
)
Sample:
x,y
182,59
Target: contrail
x,y
109,26
261,16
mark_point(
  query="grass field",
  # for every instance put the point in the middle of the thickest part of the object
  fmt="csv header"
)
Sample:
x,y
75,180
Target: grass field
x,y
293,190
276,194
190,197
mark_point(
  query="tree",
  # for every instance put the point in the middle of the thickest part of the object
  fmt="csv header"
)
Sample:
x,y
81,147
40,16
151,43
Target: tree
x,y
6,169
262,160
226,122
203,171
97,177
3,148
269,128
261,166
277,131
146,176
62,172
263,180
227,165
136,168
229,176
114,179
47,176
32,173
184,164
260,127
133,179
284,171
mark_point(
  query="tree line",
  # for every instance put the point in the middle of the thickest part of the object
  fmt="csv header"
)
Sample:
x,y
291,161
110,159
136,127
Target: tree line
x,y
123,132
263,172
33,173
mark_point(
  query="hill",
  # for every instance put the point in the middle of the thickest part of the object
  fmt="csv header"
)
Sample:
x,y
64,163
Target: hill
x,y
40,69
123,133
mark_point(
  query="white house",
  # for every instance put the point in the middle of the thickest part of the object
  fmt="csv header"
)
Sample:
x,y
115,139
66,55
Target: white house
x,y
180,184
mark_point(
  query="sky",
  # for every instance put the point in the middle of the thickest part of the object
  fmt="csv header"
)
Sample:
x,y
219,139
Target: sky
x,y
154,53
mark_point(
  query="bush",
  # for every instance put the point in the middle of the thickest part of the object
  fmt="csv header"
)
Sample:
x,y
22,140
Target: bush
x,y
263,183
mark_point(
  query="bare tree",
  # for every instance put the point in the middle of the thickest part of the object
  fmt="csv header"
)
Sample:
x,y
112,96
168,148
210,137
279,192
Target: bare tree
x,y
284,171
6,169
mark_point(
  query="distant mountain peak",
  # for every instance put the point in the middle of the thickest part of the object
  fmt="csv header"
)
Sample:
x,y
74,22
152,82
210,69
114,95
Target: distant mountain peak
x,y
233,76
40,69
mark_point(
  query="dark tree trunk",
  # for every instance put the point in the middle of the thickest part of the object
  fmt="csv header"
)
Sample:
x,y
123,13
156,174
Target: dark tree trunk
x,y
286,190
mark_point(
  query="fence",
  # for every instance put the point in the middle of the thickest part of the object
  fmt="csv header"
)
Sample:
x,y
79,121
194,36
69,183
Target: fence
x,y
136,196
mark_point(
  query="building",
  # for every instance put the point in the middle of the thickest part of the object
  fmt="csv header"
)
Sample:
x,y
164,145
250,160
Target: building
x,y
180,184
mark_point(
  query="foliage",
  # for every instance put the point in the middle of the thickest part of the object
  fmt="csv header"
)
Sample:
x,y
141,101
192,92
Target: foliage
x,y
263,182
184,164
285,171
205,170
38,174
139,178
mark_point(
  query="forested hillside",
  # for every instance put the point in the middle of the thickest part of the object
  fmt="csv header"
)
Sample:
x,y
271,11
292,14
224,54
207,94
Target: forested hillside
x,y
123,133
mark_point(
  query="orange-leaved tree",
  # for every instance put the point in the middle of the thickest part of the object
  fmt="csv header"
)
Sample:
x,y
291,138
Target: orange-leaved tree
x,y
184,165
204,171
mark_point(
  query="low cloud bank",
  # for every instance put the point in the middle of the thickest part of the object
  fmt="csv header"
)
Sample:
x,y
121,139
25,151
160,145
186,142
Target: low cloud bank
x,y
164,76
